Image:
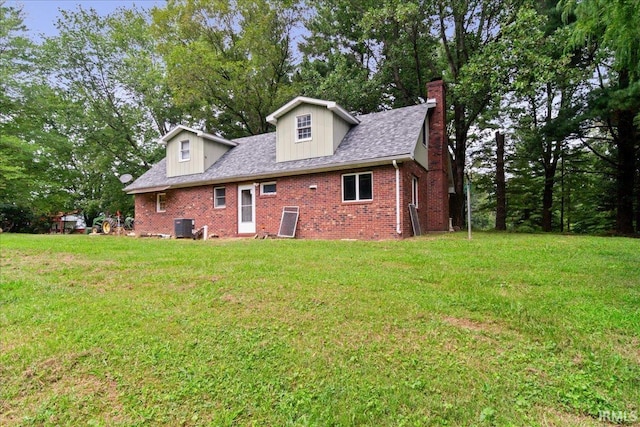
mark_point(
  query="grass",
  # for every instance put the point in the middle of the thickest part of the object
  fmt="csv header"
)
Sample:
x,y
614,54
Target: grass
x,y
501,330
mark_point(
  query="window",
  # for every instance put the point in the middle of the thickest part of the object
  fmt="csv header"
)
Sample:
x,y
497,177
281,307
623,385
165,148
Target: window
x,y
425,129
414,191
161,202
219,197
303,127
185,153
268,188
357,186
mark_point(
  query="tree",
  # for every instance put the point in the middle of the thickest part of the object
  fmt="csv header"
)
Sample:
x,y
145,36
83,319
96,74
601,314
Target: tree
x,y
16,153
473,39
376,55
29,183
109,99
541,86
229,62
611,29
369,55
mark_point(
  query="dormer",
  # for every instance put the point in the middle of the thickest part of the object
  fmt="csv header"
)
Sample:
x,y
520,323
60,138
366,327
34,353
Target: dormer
x,y
308,127
191,151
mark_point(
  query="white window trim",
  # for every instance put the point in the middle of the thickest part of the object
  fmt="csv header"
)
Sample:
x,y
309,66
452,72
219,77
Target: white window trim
x,y
415,190
215,199
298,128
158,202
180,159
262,184
357,175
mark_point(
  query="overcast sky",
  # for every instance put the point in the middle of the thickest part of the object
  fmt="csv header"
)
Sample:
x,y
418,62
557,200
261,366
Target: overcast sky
x,y
41,15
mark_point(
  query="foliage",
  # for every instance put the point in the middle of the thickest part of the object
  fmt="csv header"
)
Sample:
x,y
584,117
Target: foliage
x,y
228,62
110,102
103,330
15,218
32,150
15,49
369,56
87,106
610,30
611,25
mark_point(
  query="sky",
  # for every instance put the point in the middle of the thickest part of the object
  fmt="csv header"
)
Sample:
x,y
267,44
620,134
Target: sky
x,y
41,15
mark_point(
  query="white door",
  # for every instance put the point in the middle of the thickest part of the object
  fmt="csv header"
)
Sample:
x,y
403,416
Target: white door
x,y
246,209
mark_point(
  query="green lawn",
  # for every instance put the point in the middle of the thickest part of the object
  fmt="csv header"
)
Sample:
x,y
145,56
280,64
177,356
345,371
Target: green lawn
x,y
502,330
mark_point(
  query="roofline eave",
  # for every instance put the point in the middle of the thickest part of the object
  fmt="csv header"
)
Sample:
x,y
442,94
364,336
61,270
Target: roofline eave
x,y
270,175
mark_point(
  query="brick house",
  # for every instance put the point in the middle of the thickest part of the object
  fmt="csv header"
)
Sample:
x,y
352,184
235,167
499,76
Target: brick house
x,y
350,177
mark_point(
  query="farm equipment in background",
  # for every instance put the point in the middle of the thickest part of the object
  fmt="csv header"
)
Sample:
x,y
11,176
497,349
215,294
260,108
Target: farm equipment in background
x,y
107,224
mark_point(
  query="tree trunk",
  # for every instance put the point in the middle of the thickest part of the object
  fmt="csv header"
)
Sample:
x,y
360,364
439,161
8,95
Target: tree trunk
x,y
626,168
547,200
501,201
562,193
625,176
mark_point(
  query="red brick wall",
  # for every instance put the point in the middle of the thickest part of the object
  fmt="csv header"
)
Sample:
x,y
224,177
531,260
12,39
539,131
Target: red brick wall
x,y
194,203
408,171
322,212
437,181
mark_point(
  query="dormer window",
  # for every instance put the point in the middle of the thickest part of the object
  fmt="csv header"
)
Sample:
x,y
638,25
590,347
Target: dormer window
x,y
303,127
185,152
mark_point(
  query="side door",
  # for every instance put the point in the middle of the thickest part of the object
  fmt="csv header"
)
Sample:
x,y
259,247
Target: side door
x,y
246,209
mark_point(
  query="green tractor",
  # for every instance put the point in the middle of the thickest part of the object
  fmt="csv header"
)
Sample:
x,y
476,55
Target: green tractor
x,y
107,224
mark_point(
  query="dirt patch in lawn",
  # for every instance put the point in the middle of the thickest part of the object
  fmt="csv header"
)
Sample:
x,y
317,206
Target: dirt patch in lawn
x,y
474,325
551,417
44,384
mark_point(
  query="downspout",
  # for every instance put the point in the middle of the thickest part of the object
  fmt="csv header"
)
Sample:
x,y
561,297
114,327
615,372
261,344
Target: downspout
x,y
398,228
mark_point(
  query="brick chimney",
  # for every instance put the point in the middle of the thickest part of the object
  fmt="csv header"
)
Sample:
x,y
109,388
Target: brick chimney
x,y
438,160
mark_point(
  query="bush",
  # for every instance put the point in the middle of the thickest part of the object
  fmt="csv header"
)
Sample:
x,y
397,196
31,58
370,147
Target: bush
x,y
16,219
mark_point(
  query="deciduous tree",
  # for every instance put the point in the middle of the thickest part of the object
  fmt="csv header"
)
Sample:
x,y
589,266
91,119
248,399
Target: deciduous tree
x,y
229,62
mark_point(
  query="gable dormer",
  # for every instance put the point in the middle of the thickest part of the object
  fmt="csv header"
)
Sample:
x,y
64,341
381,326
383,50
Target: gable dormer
x,y
191,151
308,127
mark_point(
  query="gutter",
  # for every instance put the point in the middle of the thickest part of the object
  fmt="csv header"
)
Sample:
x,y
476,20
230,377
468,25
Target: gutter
x,y
398,228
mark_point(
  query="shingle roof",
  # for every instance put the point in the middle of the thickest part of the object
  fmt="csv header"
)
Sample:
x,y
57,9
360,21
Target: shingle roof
x,y
379,137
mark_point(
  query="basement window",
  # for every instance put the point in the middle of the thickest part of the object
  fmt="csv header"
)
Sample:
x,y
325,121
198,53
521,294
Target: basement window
x,y
185,151
219,197
303,127
161,202
268,188
357,187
